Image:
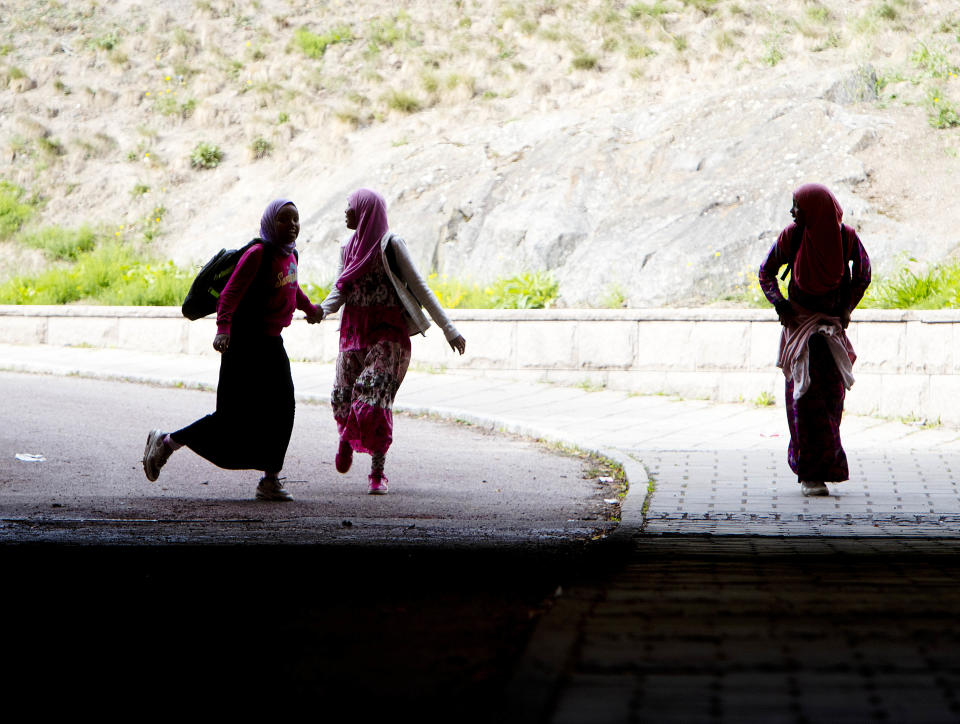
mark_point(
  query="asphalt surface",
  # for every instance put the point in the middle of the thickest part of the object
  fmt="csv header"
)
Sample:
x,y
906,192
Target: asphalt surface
x,y
188,587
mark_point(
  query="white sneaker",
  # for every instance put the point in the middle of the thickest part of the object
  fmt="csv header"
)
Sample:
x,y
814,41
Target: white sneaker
x,y
814,488
272,490
155,455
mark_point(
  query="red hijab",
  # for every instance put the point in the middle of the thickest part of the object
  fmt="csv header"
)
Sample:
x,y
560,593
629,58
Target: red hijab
x,y
363,248
818,267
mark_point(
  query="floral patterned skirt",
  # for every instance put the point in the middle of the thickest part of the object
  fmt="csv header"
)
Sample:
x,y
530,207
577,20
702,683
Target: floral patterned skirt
x,y
367,380
815,452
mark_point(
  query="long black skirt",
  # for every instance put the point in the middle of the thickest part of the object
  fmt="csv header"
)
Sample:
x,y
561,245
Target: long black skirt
x,y
251,427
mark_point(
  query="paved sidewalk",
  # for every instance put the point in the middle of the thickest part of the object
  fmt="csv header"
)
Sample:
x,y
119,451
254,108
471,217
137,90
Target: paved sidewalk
x,y
717,468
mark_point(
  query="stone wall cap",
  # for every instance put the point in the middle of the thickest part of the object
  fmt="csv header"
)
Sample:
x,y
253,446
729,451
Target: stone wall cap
x,y
659,314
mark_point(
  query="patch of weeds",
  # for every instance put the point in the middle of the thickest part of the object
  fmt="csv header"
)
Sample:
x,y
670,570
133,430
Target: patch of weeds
x,y
14,210
139,189
817,13
933,62
679,43
941,113
723,40
61,87
59,243
50,147
282,118
588,385
387,32
430,82
150,225
205,155
107,41
584,61
639,11
314,45
614,297
14,73
773,50
530,290
707,7
261,148
402,102
636,50
765,399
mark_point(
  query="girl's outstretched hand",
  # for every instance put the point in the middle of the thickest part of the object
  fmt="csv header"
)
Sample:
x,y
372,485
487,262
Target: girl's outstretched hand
x,y
221,342
458,344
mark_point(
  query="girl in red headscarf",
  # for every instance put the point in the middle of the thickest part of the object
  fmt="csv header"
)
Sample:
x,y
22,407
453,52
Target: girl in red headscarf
x,y
829,273
382,294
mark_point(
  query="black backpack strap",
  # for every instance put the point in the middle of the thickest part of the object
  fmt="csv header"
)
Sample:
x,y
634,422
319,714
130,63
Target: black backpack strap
x,y
795,242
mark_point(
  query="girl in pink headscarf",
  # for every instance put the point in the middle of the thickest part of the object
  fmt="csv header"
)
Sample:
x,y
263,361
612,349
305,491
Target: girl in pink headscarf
x,y
382,294
830,271
251,426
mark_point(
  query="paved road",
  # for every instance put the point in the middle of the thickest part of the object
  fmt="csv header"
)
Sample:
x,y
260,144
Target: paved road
x,y
449,483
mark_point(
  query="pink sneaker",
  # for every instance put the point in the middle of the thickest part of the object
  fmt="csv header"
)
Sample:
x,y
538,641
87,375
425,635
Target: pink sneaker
x,y
344,457
378,485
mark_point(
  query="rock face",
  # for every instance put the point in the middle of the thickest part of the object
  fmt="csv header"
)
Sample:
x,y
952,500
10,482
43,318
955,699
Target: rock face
x,y
672,200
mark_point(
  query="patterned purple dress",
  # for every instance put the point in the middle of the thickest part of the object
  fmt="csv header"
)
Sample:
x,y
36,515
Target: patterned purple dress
x,y
373,359
815,452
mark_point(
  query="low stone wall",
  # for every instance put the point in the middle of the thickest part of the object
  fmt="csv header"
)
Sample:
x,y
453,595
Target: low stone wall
x,y
906,365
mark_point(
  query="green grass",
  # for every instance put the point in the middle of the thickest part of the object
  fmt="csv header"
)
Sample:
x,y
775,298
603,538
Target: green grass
x,y
14,211
59,243
314,45
935,288
403,102
530,290
111,274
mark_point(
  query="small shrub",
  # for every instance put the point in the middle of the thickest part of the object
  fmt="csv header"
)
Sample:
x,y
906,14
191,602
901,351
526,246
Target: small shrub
x,y
14,212
535,290
314,46
261,148
139,189
773,53
765,399
940,112
584,61
206,155
403,102
108,41
59,243
647,11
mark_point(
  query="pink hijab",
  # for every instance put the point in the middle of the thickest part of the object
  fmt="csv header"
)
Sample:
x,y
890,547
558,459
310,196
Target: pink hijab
x,y
364,246
818,267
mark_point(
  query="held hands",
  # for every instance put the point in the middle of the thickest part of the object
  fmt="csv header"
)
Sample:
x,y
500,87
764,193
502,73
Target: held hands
x,y
221,342
458,344
316,318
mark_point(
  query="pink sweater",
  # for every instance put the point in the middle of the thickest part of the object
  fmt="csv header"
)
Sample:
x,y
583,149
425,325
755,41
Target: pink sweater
x,y
284,294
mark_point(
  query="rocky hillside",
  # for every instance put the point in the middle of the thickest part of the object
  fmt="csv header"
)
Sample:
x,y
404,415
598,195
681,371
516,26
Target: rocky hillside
x,y
643,152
